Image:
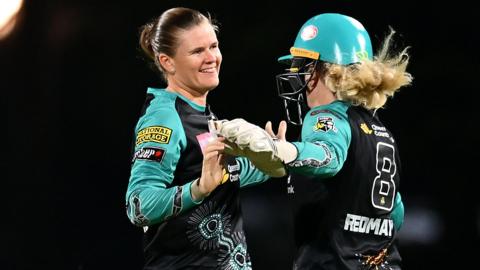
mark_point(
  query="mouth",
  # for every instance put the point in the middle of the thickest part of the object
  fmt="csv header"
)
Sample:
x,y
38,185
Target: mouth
x,y
208,70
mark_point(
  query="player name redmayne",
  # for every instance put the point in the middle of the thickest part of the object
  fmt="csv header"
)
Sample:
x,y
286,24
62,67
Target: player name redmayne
x,y
361,224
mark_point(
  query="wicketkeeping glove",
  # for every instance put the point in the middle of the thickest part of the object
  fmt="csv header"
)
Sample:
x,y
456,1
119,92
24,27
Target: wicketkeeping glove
x,y
266,153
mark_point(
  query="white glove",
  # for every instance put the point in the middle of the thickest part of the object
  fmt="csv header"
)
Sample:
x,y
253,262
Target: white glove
x,y
266,153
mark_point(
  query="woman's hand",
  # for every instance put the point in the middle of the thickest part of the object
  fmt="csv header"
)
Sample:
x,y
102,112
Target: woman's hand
x,y
212,170
282,130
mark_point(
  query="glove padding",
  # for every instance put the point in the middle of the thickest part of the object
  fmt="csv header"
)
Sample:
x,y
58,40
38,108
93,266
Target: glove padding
x,y
266,153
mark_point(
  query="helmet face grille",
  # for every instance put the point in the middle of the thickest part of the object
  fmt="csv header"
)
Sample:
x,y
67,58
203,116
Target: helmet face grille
x,y
292,86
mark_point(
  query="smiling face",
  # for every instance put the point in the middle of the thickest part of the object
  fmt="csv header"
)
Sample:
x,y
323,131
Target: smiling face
x,y
196,64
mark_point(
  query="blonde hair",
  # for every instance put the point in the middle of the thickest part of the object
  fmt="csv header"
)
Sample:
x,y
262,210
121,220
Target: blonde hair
x,y
369,83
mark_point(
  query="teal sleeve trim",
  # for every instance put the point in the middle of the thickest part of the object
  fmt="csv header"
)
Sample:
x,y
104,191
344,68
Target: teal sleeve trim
x,y
320,159
249,174
150,205
398,212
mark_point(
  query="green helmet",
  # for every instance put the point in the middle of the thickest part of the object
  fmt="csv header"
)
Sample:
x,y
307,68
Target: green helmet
x,y
328,37
333,38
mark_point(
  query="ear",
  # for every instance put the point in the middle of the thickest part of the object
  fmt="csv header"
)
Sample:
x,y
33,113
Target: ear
x,y
167,63
313,81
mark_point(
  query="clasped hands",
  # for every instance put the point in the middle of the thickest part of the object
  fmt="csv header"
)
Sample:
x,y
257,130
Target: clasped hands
x,y
269,152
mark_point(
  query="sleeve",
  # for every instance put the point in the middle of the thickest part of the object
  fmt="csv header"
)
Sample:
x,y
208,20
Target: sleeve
x,y
398,212
323,150
249,174
159,139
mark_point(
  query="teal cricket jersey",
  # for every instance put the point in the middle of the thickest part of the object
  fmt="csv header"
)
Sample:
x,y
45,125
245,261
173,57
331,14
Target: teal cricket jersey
x,y
180,232
345,184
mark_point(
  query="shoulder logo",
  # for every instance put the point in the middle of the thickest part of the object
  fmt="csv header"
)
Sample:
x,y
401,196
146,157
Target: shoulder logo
x,y
156,134
365,128
325,124
149,153
309,32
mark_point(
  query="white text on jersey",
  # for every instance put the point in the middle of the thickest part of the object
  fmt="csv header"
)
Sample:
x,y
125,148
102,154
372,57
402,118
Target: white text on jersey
x,y
361,224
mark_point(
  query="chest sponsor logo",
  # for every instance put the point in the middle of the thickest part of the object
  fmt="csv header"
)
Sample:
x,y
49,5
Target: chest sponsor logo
x,y
365,128
325,124
380,131
231,173
149,153
361,224
156,134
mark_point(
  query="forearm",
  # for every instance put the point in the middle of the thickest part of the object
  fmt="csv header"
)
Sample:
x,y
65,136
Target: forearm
x,y
151,204
248,174
320,159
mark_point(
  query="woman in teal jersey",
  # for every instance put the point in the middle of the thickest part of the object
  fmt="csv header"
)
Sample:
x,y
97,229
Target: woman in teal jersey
x,y
183,191
351,210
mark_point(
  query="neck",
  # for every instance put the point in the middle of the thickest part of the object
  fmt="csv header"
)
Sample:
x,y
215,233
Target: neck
x,y
320,95
198,97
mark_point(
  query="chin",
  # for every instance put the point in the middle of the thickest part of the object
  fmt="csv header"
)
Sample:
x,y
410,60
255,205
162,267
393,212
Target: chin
x,y
211,85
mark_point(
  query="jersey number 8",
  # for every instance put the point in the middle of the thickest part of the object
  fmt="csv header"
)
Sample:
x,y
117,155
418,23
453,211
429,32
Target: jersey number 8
x,y
383,188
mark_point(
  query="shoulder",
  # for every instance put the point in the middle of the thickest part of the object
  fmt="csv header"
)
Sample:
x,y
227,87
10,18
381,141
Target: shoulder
x,y
160,121
162,100
160,110
328,117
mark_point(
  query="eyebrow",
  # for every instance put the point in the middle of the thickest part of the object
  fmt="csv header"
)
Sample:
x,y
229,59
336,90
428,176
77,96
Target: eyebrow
x,y
201,48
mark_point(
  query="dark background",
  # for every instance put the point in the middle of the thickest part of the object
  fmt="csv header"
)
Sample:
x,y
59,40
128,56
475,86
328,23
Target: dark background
x,y
75,83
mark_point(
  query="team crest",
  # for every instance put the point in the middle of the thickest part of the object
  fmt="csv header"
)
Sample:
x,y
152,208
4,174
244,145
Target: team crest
x,y
309,32
325,124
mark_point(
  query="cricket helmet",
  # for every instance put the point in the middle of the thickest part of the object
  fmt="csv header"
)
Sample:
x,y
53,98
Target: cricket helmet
x,y
328,37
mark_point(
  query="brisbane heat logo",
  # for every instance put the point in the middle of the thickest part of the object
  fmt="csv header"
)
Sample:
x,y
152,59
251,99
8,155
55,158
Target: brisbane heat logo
x,y
309,32
325,124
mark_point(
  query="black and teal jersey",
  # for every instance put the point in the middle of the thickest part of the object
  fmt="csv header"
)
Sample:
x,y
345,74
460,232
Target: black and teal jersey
x,y
181,233
345,190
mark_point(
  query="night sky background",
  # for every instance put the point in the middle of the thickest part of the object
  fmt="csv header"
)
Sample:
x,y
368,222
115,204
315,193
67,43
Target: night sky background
x,y
75,83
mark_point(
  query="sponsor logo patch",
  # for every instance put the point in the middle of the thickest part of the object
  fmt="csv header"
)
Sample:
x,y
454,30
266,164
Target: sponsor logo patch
x,y
325,124
365,128
362,55
149,153
156,134
225,177
309,32
231,172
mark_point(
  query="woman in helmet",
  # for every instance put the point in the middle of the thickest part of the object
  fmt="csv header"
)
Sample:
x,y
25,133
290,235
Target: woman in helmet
x,y
350,158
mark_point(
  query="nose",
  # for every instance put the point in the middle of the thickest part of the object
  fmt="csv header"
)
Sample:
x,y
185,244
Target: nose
x,y
210,56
